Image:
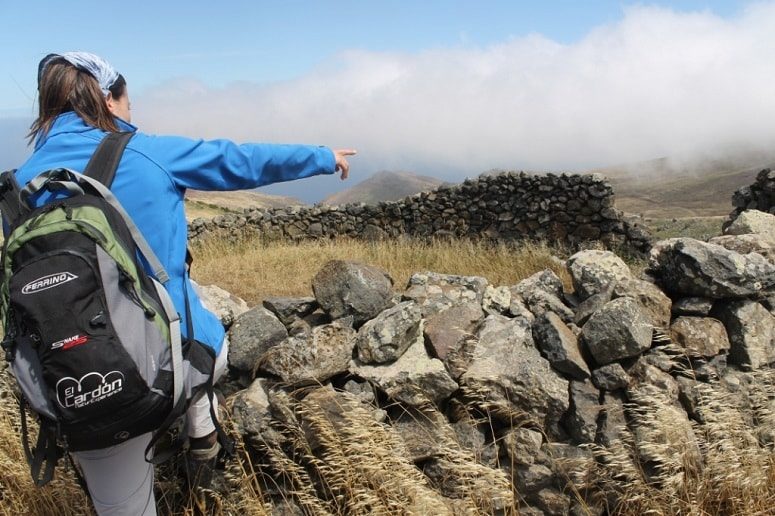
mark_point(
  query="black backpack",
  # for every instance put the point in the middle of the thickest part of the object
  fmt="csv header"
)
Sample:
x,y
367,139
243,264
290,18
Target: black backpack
x,y
93,341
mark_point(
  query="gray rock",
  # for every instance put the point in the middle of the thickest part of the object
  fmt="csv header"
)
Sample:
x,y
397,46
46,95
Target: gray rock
x,y
518,308
509,372
420,433
581,419
552,502
386,337
745,244
251,414
223,304
702,336
541,302
593,271
253,334
612,425
560,346
289,309
533,478
655,303
546,281
689,267
619,330
446,330
311,359
415,378
611,377
471,438
692,306
751,331
344,288
753,221
647,377
436,292
496,300
522,445
592,304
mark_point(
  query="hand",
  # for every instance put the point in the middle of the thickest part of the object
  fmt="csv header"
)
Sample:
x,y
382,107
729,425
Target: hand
x,y
340,155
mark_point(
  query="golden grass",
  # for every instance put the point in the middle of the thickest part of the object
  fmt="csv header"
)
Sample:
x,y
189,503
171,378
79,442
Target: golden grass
x,y
254,270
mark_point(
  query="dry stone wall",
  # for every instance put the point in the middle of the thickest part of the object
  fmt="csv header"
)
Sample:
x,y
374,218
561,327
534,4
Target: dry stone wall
x,y
505,206
758,196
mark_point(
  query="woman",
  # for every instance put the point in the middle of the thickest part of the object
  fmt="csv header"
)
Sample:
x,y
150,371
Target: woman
x,y
81,99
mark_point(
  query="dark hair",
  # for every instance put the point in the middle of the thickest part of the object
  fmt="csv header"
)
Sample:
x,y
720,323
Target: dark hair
x,y
63,87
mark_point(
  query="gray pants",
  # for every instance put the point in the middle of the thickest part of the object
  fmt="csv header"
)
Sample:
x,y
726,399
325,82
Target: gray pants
x,y
120,481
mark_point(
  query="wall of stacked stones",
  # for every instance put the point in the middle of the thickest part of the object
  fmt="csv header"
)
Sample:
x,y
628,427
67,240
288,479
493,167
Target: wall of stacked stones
x,y
758,196
505,206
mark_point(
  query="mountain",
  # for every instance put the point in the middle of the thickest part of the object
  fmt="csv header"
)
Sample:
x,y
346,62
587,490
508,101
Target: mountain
x,y
384,186
210,204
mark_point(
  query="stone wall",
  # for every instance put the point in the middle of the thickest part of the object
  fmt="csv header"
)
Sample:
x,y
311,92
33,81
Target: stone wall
x,y
507,206
758,196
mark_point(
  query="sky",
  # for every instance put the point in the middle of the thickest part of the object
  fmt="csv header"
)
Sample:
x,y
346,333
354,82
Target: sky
x,y
441,88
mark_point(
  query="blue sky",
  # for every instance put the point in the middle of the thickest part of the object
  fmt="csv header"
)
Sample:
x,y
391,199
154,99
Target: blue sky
x,y
440,88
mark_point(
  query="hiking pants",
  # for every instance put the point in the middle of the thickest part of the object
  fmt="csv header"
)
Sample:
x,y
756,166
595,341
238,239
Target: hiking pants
x,y
119,479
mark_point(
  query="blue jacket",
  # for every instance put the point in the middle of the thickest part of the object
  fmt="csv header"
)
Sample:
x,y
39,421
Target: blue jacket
x,y
151,181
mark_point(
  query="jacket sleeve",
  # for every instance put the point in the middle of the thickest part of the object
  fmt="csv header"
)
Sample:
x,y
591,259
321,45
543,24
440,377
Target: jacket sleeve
x,y
225,165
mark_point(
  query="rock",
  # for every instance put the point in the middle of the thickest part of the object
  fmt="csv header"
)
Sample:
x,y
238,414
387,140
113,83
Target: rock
x,y
751,331
344,288
611,377
592,304
647,376
593,271
552,502
335,407
421,434
619,330
655,303
471,438
386,337
447,329
508,372
745,244
702,336
689,267
251,414
612,425
226,306
692,306
518,308
753,221
533,478
253,334
522,445
289,309
541,302
415,378
311,359
436,292
560,346
581,419
546,281
496,300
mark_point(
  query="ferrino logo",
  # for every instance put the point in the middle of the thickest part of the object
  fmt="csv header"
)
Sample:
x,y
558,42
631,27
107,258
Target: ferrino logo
x,y
89,389
47,282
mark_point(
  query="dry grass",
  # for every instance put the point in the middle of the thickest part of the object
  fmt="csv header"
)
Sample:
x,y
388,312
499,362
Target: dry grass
x,y
253,269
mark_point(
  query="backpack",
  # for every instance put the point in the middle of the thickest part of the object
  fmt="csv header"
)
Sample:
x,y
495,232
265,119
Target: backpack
x,y
93,340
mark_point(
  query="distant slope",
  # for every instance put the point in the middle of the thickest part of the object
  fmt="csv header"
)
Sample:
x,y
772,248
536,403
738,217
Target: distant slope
x,y
210,204
384,186
660,189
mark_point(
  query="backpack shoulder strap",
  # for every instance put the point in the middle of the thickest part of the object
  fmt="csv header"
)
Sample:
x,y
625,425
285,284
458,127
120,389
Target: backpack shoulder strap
x,y
11,204
104,162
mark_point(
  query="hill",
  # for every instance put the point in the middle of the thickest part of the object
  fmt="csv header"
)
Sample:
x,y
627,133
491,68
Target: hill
x,y
662,188
210,204
384,186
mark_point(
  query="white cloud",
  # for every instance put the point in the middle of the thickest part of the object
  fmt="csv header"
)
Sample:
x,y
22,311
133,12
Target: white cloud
x,y
656,83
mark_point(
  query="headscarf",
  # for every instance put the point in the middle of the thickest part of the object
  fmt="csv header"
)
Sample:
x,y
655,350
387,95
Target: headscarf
x,y
94,65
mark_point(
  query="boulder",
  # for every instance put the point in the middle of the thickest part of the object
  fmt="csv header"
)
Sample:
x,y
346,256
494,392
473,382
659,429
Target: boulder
x,y
447,329
223,304
496,300
751,331
415,378
581,419
560,346
692,306
593,271
313,358
689,267
611,377
289,309
753,221
655,303
592,304
621,329
253,334
612,425
436,292
702,336
345,288
744,244
546,281
522,445
509,373
386,337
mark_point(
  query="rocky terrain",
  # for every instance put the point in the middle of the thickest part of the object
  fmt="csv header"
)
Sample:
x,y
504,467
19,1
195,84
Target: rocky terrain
x,y
451,395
